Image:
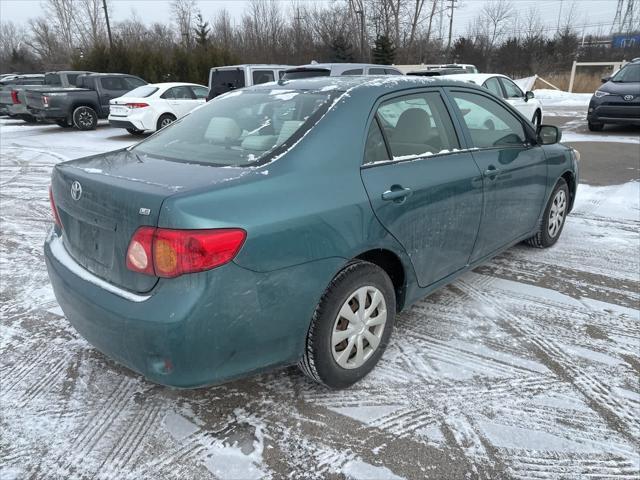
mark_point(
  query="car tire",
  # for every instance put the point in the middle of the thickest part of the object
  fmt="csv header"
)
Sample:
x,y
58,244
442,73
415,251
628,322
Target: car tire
x,y
135,131
596,127
28,118
164,120
85,118
537,119
339,365
64,123
554,217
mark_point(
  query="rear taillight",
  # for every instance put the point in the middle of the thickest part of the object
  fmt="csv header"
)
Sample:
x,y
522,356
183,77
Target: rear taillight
x,y
14,97
54,209
169,253
45,100
136,105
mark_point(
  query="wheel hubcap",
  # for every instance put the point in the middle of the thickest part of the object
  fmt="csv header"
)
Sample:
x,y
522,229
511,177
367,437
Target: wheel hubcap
x,y
85,119
165,122
358,328
557,213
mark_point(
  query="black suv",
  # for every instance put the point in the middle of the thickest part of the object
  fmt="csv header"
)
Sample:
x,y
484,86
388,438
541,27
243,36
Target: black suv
x,y
618,100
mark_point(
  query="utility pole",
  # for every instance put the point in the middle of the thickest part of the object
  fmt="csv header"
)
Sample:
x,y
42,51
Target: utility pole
x,y
106,17
361,13
452,7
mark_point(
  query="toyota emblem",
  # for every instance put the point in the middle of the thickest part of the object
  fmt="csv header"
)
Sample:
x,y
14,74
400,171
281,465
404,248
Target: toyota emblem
x,y
76,190
628,98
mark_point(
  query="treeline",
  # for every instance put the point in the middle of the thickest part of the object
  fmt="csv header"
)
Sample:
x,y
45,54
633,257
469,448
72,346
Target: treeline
x,y
73,33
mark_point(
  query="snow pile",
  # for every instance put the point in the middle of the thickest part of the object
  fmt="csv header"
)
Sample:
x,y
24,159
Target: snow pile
x,y
559,98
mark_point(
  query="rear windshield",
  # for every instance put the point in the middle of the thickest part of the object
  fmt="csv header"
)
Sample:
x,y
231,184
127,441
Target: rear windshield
x,y
240,128
142,92
306,73
52,79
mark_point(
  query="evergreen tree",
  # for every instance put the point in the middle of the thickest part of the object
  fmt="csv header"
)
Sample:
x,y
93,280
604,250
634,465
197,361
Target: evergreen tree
x,y
384,52
341,50
202,31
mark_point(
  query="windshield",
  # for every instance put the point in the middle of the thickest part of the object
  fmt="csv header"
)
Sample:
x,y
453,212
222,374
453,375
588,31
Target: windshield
x,y
141,92
629,74
240,128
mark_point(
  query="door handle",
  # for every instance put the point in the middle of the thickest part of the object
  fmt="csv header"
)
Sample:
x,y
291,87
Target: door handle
x,y
491,171
397,194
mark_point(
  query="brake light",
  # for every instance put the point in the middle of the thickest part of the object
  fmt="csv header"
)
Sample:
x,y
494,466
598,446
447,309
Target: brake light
x,y
170,253
54,209
136,105
14,97
45,100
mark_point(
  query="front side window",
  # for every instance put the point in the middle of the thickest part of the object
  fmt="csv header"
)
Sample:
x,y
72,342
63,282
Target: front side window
x,y
240,128
493,85
417,125
262,76
489,123
376,71
355,71
178,93
511,89
200,92
391,71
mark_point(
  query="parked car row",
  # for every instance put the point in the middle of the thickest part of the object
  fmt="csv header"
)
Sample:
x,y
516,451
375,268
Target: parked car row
x,y
79,99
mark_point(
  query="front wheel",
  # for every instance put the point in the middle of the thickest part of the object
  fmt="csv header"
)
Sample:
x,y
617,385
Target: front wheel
x,y
553,218
537,119
351,326
85,118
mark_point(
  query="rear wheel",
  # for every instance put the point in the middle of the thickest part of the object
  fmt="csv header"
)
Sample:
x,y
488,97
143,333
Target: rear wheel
x,y
350,327
554,217
596,127
85,118
164,120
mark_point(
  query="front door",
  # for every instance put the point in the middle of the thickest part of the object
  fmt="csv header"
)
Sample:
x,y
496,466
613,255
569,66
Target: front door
x,y
428,196
514,170
515,96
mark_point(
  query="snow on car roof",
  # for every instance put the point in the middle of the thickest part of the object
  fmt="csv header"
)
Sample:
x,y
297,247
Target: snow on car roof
x,y
478,78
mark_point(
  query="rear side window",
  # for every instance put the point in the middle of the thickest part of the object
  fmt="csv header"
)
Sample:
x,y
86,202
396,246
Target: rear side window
x,y
375,149
142,92
133,82
417,125
178,93
354,71
306,73
493,85
377,71
113,83
52,79
489,123
511,89
262,76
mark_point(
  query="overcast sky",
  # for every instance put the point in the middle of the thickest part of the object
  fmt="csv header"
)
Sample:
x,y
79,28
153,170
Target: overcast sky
x,y
592,14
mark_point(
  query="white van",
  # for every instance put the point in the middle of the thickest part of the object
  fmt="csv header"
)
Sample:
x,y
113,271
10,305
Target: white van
x,y
224,79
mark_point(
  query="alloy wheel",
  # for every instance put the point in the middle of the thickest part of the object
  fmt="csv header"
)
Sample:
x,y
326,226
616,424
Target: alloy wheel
x,y
85,119
557,213
165,122
358,328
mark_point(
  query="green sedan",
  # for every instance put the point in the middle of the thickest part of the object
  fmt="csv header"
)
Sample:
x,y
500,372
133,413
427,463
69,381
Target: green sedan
x,y
288,223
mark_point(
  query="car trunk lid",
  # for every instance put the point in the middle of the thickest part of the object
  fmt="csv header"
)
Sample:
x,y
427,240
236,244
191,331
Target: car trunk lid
x,y
103,200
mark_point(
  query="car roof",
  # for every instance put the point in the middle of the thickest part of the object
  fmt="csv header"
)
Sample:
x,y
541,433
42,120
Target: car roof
x,y
477,78
344,65
173,84
375,84
251,65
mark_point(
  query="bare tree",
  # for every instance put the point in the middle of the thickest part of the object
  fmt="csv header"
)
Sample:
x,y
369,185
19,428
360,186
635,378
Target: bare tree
x,y
495,19
89,21
184,12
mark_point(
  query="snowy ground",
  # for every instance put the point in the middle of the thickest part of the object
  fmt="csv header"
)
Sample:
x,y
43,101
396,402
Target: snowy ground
x,y
527,367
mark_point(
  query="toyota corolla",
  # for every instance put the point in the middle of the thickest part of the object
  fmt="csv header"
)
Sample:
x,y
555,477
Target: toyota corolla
x,y
289,223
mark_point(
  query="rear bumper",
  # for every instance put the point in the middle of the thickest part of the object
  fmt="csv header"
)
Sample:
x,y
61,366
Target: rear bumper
x,y
193,330
122,124
141,119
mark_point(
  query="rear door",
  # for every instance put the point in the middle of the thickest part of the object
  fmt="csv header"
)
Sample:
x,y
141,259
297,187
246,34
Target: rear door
x,y
514,169
181,100
428,196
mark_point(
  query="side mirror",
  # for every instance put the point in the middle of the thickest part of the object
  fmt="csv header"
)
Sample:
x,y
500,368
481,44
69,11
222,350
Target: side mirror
x,y
548,134
528,96
605,79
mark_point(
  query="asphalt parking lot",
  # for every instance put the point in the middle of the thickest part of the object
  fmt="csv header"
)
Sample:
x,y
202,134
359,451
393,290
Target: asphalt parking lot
x,y
526,367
